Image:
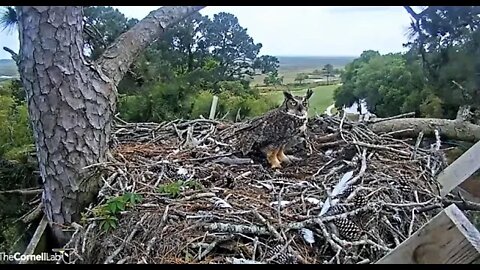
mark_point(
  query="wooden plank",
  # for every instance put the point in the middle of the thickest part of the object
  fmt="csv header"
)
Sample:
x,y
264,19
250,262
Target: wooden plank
x,y
449,238
460,170
36,238
213,108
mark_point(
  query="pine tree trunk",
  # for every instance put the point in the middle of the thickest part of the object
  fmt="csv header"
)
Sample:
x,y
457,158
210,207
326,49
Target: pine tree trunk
x,y
70,107
71,102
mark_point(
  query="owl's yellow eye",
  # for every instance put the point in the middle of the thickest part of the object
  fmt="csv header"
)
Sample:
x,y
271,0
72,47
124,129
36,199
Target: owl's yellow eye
x,y
293,103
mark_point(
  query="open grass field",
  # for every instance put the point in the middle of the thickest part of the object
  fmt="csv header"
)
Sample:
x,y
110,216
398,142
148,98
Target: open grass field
x,y
321,99
290,66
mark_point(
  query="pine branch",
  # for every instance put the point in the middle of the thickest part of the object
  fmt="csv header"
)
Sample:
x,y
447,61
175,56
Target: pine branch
x,y
14,54
118,57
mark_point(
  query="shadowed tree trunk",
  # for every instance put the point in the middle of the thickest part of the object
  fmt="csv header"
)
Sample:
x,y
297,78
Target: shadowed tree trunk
x,y
72,102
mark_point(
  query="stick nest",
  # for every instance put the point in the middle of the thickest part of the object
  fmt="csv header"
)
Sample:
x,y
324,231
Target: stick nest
x,y
203,203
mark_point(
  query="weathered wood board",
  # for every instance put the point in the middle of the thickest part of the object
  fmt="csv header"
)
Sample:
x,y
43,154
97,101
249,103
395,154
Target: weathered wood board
x,y
32,246
461,169
449,238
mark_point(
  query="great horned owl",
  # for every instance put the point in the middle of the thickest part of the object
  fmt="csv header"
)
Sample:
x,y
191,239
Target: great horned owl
x,y
271,132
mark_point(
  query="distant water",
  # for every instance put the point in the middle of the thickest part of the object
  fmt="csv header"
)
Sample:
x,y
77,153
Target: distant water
x,y
8,77
354,108
314,62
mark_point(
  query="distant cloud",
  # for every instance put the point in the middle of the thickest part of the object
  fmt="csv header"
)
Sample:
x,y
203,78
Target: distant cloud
x,y
315,30
359,9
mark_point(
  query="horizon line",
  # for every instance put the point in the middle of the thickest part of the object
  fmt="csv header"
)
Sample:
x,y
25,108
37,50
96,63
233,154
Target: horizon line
x,y
316,55
305,56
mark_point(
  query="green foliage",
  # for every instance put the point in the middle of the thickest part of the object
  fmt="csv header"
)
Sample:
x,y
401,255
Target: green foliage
x,y
328,72
8,18
109,211
432,107
301,77
201,104
246,105
386,82
317,72
232,87
134,108
230,42
328,69
195,58
182,100
15,134
267,64
102,26
344,96
158,102
166,101
434,78
16,143
194,55
257,106
175,188
446,39
273,79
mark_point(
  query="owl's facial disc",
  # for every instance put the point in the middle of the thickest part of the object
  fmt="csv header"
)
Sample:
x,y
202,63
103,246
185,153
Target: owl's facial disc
x,y
297,107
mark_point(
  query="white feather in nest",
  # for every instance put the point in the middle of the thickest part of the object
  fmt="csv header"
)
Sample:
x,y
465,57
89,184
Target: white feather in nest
x,y
182,171
313,201
307,235
221,203
337,190
282,203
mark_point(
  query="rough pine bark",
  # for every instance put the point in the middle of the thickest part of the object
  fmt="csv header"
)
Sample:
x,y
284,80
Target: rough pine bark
x,y
72,102
70,108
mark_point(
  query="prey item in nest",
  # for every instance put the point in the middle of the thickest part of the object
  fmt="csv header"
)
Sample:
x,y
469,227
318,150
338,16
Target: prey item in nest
x,y
272,132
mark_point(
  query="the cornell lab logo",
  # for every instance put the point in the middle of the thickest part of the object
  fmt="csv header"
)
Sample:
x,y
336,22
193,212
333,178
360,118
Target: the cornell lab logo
x,y
64,254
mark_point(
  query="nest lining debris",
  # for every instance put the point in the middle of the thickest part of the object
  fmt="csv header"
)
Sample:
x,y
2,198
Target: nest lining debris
x,y
222,207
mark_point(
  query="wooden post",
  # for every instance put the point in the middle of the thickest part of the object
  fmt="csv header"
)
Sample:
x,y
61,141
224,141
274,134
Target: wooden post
x,y
449,238
461,169
213,108
39,232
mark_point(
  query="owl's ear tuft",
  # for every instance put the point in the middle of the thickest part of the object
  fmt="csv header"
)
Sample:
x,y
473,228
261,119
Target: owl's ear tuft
x,y
309,94
287,95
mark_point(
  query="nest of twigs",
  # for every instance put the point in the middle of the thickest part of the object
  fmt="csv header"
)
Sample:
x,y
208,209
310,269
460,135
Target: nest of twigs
x,y
203,203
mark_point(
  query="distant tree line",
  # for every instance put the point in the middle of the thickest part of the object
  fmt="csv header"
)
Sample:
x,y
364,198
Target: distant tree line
x,y
439,73
327,72
196,58
178,74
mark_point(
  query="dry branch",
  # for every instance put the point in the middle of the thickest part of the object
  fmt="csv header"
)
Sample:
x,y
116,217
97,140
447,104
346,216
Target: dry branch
x,y
205,204
451,129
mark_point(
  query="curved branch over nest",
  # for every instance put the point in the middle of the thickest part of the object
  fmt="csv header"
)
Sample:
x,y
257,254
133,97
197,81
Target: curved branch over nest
x,y
411,127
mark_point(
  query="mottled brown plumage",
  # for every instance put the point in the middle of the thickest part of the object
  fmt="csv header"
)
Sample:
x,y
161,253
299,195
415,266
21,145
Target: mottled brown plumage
x,y
271,132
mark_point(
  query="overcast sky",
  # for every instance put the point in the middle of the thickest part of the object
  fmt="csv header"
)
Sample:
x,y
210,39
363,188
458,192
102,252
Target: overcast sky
x,y
304,31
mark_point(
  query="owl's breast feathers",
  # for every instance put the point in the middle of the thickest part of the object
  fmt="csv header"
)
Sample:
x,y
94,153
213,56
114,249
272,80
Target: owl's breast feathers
x,y
272,129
